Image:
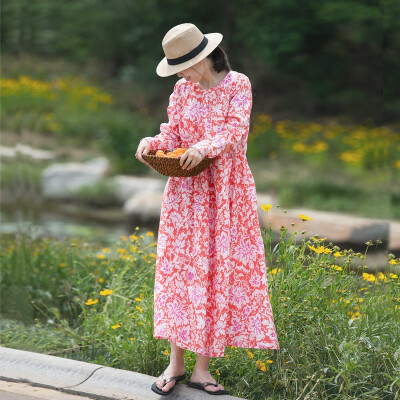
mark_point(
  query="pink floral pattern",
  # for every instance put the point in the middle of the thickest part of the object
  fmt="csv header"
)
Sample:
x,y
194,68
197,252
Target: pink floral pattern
x,y
211,287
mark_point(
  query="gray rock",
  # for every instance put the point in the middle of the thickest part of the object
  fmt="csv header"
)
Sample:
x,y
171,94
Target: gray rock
x,y
28,151
144,207
36,154
344,230
336,227
63,179
127,186
6,151
394,237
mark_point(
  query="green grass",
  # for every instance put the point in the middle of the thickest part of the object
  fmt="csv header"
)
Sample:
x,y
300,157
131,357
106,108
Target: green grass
x,y
339,334
21,174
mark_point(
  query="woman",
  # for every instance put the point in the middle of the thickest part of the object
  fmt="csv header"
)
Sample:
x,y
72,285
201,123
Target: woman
x,y
211,287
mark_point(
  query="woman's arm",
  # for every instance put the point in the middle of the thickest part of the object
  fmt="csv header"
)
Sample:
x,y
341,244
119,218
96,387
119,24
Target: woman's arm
x,y
168,138
236,125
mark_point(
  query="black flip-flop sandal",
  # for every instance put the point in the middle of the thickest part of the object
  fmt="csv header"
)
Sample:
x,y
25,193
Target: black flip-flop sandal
x,y
202,385
178,378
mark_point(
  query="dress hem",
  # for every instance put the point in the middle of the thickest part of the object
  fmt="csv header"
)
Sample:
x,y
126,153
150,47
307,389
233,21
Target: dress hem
x,y
208,355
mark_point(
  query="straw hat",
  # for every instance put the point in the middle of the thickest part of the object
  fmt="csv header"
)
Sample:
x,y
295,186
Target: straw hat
x,y
184,45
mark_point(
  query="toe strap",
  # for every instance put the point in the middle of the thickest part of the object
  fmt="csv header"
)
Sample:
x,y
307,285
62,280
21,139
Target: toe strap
x,y
204,384
172,378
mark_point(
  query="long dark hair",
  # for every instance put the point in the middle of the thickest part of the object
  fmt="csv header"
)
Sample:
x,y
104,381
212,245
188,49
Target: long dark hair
x,y
220,60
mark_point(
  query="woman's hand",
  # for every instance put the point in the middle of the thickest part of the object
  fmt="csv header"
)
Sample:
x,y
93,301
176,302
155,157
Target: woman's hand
x,y
143,148
190,158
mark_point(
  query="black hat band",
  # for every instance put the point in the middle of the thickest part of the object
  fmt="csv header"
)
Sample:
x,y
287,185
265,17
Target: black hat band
x,y
190,55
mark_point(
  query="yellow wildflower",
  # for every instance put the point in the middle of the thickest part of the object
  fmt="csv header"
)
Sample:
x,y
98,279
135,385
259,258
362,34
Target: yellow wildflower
x,y
140,322
101,256
304,217
100,280
132,338
393,276
359,299
269,361
368,277
260,365
166,352
320,249
138,299
106,292
266,207
217,372
351,157
336,267
318,239
116,326
90,302
394,262
338,254
152,255
275,270
150,233
139,308
250,354
133,237
106,250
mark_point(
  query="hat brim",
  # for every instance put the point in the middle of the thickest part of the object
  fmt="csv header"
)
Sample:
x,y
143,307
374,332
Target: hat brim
x,y
164,69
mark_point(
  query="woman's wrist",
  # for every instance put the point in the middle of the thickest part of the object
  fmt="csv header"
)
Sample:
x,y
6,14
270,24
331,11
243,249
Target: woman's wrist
x,y
146,139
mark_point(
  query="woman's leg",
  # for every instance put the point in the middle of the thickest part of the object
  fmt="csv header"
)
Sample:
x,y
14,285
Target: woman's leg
x,y
202,374
176,367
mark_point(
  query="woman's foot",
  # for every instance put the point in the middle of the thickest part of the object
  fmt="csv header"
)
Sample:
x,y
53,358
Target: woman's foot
x,y
171,370
200,376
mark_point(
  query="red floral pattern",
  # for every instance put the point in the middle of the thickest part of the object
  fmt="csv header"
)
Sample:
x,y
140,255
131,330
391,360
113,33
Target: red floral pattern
x,y
211,287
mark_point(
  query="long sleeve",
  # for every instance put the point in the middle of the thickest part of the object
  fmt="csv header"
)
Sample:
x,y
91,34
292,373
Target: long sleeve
x,y
237,123
168,138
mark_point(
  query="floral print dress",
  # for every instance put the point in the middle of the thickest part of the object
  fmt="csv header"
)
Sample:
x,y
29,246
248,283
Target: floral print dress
x,y
211,287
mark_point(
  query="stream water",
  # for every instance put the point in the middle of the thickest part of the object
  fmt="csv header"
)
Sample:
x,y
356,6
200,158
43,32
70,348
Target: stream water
x,y
50,223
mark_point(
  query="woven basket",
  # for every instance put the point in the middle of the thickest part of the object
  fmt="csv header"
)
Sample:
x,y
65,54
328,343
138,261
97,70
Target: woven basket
x,y
170,166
